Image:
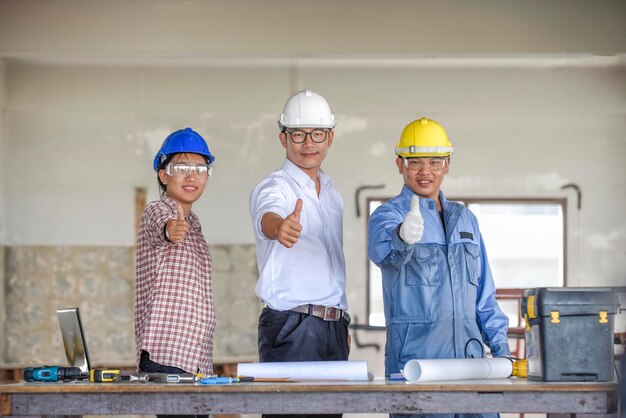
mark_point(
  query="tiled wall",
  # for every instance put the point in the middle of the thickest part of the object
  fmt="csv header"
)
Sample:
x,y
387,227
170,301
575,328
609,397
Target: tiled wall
x,y
235,274
2,304
100,280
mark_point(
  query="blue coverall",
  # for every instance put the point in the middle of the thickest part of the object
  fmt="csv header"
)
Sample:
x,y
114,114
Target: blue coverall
x,y
439,295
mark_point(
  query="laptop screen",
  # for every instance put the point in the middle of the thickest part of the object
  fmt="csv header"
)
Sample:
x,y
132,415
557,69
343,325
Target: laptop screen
x,y
74,338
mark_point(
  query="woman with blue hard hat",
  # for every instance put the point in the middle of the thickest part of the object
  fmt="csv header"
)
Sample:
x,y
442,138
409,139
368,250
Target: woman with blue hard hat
x,y
174,313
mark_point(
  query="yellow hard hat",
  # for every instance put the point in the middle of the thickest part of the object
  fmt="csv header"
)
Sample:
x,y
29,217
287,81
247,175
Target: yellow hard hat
x,y
424,138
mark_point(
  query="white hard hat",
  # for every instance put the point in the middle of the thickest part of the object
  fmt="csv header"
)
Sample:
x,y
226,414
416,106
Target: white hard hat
x,y
306,109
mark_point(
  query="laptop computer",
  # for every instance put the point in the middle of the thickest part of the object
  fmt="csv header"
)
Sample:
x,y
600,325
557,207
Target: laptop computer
x,y
74,338
77,354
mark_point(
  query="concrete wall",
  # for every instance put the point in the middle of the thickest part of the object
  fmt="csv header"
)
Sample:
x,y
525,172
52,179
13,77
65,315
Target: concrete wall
x,y
85,138
2,209
3,310
532,94
144,30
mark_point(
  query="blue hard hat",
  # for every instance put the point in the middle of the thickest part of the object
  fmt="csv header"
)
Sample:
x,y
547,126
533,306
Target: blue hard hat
x,y
184,140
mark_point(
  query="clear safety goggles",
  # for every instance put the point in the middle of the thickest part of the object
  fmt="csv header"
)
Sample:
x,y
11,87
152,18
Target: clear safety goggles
x,y
430,163
185,169
298,136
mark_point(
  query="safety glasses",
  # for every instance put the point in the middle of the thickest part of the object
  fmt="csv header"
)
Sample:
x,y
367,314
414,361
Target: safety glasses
x,y
432,163
186,169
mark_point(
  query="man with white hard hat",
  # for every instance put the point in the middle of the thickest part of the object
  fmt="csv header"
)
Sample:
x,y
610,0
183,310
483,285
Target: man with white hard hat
x,y
438,292
297,215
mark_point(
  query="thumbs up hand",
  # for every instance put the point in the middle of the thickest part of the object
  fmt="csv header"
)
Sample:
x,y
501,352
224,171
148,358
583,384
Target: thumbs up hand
x,y
412,228
177,229
288,230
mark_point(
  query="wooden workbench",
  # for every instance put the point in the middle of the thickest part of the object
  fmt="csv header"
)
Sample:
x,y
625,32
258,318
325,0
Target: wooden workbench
x,y
378,396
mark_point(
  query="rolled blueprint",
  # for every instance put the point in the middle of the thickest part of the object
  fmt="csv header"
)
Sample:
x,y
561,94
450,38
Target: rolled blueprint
x,y
457,369
306,370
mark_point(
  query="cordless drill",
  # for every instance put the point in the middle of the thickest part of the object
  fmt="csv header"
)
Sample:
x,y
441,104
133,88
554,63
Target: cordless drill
x,y
52,374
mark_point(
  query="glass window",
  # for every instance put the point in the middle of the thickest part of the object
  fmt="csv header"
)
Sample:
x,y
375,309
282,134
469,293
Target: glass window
x,y
524,241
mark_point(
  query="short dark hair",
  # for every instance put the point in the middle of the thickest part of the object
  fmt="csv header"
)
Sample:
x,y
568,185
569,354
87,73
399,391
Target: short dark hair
x,y
162,166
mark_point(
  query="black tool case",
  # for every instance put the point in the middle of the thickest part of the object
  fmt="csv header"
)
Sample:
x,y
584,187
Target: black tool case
x,y
569,333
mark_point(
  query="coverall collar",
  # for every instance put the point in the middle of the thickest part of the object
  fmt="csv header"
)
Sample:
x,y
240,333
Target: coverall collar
x,y
451,209
425,202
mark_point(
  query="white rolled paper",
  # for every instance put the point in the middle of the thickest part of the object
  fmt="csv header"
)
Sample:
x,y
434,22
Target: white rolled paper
x,y
306,370
457,369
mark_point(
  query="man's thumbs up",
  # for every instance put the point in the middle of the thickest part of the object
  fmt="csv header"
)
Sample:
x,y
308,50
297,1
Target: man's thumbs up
x,y
289,229
295,215
176,229
412,227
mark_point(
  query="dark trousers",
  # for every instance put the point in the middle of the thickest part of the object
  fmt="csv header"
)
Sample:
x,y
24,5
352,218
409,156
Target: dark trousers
x,y
149,366
294,336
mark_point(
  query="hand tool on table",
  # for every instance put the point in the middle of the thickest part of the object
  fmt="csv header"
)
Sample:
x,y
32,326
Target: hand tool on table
x,y
104,375
218,380
52,374
115,375
173,378
133,377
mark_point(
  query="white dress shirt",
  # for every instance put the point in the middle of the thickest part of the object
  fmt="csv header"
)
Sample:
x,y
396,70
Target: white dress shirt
x,y
313,270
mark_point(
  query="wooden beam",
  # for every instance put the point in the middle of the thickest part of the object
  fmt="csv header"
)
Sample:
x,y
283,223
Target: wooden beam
x,y
5,404
140,204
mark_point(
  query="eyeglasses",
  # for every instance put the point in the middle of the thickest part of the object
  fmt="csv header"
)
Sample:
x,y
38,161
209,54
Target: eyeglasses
x,y
185,169
432,163
299,136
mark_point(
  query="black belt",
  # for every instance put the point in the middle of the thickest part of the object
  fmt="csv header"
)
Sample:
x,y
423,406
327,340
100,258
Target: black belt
x,y
327,313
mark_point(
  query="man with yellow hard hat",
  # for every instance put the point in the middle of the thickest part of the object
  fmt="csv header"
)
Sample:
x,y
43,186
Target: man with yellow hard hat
x,y
438,292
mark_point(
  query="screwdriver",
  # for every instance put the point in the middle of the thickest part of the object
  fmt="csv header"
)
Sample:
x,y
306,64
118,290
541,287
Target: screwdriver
x,y
133,377
173,378
114,375
104,375
217,380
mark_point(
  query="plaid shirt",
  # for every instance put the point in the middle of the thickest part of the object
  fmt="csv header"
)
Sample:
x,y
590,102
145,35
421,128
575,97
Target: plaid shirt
x,y
174,316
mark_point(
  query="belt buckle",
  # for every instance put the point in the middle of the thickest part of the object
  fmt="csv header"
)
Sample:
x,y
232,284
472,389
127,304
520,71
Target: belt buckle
x,y
330,313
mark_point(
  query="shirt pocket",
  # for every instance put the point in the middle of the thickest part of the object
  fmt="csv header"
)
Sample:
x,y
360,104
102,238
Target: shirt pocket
x,y
471,253
472,261
423,268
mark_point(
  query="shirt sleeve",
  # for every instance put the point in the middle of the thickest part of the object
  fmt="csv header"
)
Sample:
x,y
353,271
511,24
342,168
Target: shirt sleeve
x,y
156,215
384,246
493,323
269,196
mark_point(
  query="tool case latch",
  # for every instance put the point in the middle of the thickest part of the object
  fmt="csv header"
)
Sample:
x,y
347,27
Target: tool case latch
x,y
554,317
